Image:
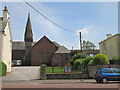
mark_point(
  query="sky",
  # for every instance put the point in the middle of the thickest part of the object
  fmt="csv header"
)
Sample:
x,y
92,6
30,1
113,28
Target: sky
x,y
93,19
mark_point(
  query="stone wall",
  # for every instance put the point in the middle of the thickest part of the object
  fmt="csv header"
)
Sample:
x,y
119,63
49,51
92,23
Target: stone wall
x,y
92,69
60,59
68,76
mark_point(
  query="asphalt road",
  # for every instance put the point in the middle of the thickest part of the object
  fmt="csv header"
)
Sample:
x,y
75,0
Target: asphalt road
x,y
82,83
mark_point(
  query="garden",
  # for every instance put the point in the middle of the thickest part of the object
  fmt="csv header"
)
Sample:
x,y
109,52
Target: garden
x,y
79,63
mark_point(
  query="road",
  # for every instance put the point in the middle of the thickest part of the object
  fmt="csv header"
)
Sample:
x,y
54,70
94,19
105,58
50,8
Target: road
x,y
83,83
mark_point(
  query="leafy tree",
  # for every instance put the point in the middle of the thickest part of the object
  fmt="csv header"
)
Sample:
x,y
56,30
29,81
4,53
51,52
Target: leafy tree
x,y
100,59
88,45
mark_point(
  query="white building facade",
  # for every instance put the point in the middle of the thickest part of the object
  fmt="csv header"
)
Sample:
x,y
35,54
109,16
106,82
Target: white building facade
x,y
5,39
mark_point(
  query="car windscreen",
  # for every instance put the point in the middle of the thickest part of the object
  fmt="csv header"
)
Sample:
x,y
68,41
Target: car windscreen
x,y
116,70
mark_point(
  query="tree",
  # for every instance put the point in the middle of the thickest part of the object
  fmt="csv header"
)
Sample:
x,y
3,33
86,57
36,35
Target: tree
x,y
101,59
88,45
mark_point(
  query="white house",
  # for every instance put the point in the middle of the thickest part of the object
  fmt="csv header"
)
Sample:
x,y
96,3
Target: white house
x,y
5,39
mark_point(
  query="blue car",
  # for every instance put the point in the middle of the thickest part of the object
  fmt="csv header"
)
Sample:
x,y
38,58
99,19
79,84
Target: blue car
x,y
107,74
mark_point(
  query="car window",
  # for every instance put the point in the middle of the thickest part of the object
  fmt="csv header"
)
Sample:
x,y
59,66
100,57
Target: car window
x,y
116,70
108,71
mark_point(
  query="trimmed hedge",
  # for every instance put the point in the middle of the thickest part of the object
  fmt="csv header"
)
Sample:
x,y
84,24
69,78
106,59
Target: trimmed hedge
x,y
101,59
3,68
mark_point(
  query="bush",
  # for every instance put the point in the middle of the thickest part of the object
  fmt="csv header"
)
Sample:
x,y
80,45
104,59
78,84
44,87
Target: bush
x,y
3,68
100,59
91,62
81,55
116,58
87,60
78,64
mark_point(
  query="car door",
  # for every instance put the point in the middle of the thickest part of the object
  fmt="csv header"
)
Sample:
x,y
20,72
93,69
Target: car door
x,y
116,74
109,74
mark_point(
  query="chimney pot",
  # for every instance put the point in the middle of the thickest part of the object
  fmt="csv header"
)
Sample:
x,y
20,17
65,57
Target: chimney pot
x,y
5,9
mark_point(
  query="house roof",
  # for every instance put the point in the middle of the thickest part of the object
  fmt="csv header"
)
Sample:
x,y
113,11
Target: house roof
x,y
118,34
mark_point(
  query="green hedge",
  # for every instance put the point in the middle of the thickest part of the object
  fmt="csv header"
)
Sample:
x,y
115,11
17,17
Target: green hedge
x,y
101,59
3,68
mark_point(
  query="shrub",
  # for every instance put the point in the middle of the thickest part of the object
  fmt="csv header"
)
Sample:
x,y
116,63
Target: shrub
x,y
116,58
100,59
3,68
81,55
78,64
91,62
87,60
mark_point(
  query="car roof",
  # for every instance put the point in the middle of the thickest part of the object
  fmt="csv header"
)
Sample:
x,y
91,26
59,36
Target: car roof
x,y
108,68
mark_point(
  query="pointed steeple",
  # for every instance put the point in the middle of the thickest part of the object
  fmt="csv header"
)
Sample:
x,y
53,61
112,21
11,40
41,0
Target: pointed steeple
x,y
28,31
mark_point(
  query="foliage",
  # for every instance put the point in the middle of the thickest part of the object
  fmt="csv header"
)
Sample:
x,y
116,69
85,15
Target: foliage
x,y
55,69
58,70
87,60
71,62
88,45
100,59
116,58
78,64
3,68
81,55
90,62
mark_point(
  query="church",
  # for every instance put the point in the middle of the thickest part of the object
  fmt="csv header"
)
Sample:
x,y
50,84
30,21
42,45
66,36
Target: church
x,y
37,53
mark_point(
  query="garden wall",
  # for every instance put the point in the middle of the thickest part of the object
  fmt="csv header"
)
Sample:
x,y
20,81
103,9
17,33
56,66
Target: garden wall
x,y
68,76
26,72
92,69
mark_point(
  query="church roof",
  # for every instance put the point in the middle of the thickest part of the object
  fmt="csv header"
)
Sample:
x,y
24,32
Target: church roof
x,y
61,49
20,45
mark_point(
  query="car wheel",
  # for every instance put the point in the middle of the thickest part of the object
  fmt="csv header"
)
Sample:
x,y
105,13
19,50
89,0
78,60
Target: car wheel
x,y
98,81
104,80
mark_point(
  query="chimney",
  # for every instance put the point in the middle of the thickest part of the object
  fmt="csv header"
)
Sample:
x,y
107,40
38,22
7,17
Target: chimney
x,y
5,9
5,14
109,35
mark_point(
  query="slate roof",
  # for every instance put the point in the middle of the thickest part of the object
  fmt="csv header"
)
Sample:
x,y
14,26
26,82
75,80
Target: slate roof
x,y
61,49
20,45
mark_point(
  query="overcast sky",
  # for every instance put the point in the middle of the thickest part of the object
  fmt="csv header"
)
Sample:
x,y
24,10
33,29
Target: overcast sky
x,y
94,19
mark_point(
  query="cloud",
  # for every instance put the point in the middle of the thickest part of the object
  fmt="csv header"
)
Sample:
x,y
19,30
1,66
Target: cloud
x,y
84,31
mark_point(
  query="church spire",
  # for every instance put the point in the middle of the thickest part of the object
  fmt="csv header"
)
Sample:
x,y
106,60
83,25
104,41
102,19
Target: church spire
x,y
28,31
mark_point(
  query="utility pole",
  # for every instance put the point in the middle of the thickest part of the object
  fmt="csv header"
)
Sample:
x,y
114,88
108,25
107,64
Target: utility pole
x,y
80,42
